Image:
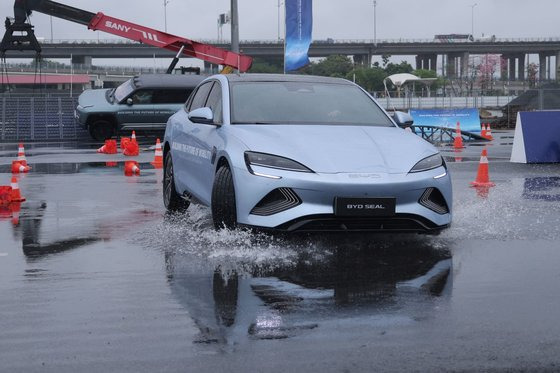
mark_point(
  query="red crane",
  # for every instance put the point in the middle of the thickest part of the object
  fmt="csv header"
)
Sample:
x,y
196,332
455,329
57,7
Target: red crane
x,y
20,35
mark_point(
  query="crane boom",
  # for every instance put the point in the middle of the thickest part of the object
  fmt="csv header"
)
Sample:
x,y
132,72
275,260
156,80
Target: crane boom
x,y
115,26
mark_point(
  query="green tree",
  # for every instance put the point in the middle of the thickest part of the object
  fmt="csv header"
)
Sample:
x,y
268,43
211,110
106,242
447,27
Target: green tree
x,y
370,79
334,65
403,67
262,66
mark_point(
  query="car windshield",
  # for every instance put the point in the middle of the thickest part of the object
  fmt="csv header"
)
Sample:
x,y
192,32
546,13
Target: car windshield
x,y
304,103
122,91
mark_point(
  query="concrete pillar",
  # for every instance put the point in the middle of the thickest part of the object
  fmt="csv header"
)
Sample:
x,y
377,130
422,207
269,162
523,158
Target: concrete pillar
x,y
81,60
542,66
418,62
557,70
361,60
503,67
521,67
433,62
450,68
512,75
465,64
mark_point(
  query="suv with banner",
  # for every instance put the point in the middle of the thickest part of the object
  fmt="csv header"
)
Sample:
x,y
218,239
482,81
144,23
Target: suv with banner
x,y
142,103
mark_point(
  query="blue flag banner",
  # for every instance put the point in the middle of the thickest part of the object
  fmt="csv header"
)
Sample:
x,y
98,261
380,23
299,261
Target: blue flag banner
x,y
299,24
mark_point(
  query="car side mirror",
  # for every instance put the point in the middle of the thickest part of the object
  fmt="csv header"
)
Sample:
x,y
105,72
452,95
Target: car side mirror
x,y
403,120
129,101
202,115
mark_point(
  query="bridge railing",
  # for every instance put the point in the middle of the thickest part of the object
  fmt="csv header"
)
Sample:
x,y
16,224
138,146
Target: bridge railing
x,y
319,41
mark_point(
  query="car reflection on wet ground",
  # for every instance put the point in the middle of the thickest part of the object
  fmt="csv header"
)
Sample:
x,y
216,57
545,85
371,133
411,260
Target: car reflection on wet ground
x,y
94,275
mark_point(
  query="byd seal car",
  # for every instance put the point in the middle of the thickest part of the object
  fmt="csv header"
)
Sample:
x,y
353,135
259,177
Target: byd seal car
x,y
302,153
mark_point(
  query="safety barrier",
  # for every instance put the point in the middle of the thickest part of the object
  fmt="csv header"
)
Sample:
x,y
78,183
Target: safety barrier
x,y
39,119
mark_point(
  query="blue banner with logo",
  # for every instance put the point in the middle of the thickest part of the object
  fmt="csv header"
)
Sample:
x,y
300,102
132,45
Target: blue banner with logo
x,y
299,24
448,118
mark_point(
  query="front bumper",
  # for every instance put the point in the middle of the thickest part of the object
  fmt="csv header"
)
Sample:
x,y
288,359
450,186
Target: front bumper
x,y
318,191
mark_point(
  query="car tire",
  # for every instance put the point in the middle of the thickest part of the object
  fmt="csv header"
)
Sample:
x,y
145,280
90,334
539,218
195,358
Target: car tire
x,y
101,130
224,213
171,199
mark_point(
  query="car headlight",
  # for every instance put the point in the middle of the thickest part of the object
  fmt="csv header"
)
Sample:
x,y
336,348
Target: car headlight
x,y
429,163
273,161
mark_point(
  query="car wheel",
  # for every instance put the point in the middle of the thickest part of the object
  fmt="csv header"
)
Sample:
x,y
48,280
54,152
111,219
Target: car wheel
x,y
171,199
101,130
224,213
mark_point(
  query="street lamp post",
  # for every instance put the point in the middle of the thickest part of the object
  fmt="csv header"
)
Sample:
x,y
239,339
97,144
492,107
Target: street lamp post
x,y
375,22
472,18
165,2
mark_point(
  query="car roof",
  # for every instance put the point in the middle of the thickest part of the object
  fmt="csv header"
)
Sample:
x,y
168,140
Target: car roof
x,y
167,81
284,78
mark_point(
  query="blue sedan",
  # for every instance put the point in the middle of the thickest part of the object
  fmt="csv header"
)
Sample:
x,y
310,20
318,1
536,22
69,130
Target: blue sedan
x,y
302,153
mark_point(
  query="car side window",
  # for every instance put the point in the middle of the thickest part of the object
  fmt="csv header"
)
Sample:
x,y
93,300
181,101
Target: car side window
x,y
214,102
200,96
170,96
142,97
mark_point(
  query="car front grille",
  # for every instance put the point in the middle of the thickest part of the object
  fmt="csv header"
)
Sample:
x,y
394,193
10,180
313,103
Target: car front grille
x,y
433,200
280,199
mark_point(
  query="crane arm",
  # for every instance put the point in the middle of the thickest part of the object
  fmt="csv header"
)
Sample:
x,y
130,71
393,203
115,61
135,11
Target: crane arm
x,y
132,31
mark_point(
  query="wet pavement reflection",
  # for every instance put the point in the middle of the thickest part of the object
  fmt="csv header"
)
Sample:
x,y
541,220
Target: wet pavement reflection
x,y
94,276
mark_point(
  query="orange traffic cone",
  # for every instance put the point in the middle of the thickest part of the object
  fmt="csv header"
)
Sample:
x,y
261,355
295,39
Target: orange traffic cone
x,y
5,195
158,157
482,177
18,168
16,195
133,137
124,143
489,132
131,149
21,155
458,141
483,130
110,147
131,168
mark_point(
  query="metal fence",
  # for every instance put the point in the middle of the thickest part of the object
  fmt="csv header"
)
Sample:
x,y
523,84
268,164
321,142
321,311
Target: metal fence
x,y
479,102
39,119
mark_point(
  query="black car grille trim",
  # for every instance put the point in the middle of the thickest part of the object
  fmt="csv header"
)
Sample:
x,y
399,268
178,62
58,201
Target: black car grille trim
x,y
433,200
331,223
280,199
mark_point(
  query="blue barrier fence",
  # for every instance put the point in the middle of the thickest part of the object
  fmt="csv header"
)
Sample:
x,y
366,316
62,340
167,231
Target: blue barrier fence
x,y
39,119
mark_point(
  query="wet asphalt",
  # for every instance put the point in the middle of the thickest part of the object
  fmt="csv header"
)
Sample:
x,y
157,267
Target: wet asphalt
x,y
95,276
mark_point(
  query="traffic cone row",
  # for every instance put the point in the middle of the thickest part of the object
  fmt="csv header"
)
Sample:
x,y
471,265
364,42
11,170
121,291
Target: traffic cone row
x,y
486,131
158,156
458,141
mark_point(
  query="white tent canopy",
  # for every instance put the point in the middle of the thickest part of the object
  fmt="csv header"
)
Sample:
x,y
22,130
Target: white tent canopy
x,y
399,80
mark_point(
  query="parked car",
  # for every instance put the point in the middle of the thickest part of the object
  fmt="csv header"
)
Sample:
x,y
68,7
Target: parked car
x,y
302,153
142,103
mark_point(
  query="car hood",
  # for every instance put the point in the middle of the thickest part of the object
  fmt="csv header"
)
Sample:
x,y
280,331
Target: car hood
x,y
93,97
339,149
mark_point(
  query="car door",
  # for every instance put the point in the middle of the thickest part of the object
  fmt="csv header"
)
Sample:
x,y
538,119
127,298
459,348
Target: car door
x,y
186,153
137,110
206,138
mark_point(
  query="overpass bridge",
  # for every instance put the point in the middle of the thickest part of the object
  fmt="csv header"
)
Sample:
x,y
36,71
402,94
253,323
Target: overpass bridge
x,y
453,56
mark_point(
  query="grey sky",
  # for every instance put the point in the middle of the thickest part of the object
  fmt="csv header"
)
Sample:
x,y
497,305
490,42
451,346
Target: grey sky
x,y
347,19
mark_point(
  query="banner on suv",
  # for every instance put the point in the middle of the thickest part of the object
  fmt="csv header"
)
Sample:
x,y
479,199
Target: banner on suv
x,y
299,24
